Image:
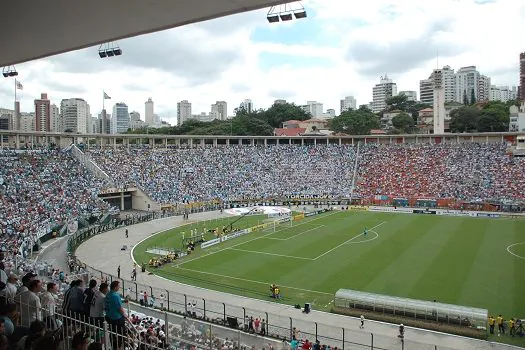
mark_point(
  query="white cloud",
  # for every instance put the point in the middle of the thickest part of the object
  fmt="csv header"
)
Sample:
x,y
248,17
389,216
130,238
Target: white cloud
x,y
219,60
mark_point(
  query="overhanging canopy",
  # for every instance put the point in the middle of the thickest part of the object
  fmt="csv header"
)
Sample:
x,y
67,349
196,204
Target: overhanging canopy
x,y
35,29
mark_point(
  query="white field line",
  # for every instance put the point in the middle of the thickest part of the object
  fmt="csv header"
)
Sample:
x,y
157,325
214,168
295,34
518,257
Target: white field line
x,y
296,235
367,240
514,254
252,281
248,241
345,242
273,254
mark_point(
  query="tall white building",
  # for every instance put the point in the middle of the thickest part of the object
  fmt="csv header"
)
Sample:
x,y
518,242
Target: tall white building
x,y
75,115
410,94
314,108
469,82
426,91
348,103
55,122
219,110
149,114
183,112
27,121
382,92
503,93
247,105
120,118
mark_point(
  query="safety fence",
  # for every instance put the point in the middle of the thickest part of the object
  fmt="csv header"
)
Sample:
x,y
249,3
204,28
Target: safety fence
x,y
239,322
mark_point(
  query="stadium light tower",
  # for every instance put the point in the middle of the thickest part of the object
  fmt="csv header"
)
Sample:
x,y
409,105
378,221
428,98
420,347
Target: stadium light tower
x,y
9,71
286,12
109,50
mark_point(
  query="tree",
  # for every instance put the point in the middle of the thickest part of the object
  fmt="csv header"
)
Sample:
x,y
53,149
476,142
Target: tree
x,y
465,99
358,122
472,97
464,119
398,102
403,122
494,117
277,114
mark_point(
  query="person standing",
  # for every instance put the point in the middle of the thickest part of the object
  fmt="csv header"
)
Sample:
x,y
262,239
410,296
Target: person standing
x,y
115,314
362,322
48,300
118,272
127,233
96,311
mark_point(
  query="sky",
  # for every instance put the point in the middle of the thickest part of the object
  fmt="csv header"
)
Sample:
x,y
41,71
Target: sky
x,y
341,49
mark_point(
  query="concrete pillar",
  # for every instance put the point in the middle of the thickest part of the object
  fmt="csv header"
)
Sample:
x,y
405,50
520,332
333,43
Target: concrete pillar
x,y
122,201
215,143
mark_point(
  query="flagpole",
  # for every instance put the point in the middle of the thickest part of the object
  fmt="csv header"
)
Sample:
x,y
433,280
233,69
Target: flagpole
x,y
15,90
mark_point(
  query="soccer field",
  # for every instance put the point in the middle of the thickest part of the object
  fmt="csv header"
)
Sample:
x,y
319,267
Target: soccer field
x,y
458,260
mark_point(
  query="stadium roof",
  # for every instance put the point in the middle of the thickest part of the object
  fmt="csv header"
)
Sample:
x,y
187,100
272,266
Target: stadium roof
x,y
36,29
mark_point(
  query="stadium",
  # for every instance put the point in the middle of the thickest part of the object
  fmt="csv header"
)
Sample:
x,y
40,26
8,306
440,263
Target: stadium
x,y
255,242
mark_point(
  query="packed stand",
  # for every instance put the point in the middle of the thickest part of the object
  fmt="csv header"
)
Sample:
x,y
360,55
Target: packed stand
x,y
466,171
39,189
233,172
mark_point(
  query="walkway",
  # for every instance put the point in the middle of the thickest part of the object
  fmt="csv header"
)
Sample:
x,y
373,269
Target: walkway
x,y
103,253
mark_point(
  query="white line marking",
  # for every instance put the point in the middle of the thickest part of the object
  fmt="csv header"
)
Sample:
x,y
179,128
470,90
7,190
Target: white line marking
x,y
296,235
248,241
511,253
329,303
252,281
345,242
273,254
367,240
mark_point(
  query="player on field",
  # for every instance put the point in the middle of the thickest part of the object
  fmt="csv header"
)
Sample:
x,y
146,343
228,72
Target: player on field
x,y
365,232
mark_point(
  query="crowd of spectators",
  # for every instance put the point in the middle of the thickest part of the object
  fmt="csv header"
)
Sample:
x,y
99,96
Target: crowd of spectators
x,y
40,189
230,173
466,171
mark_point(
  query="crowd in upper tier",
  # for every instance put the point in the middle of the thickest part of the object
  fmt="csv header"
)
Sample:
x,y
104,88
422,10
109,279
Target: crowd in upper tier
x,y
236,172
39,189
467,171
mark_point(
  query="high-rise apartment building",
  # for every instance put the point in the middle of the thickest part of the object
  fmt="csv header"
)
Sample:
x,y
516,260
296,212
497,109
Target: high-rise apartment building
x,y
348,103
279,102
426,91
219,110
471,85
149,114
314,108
522,77
55,123
42,113
247,105
104,122
75,115
7,116
382,92
120,118
27,121
134,121
183,112
503,93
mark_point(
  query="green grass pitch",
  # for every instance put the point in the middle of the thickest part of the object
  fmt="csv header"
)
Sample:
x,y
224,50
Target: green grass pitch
x,y
456,260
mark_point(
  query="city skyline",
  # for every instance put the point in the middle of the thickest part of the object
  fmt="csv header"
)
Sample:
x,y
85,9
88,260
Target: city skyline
x,y
338,51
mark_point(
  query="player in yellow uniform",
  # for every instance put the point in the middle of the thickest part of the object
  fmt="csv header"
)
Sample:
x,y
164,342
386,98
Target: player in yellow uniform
x,y
492,322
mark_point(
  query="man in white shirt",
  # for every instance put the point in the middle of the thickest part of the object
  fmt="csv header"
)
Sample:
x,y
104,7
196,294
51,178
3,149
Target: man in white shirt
x,y
10,288
48,300
96,311
30,306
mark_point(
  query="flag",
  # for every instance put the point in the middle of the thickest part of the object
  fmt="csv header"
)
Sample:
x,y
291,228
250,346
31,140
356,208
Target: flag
x,y
106,96
19,85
